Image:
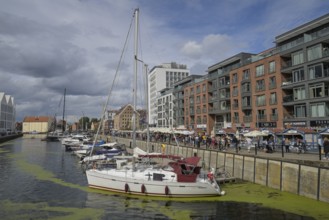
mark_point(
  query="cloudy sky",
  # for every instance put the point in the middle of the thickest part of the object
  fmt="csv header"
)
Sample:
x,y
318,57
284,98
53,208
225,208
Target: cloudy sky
x,y
47,46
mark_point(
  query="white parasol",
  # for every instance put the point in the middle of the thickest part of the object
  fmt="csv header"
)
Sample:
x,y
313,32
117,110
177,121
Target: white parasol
x,y
255,133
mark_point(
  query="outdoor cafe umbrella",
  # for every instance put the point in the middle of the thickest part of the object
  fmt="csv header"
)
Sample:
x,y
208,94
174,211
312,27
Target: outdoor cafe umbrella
x,y
255,133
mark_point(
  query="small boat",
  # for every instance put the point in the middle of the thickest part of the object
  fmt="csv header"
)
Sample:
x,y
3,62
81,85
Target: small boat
x,y
73,141
104,151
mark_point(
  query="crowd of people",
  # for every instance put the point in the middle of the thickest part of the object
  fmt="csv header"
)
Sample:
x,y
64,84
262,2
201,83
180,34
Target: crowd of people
x,y
223,142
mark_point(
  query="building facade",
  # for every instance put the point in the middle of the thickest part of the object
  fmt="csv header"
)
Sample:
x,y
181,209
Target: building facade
x,y
123,120
304,53
159,78
7,113
256,95
37,124
196,104
165,105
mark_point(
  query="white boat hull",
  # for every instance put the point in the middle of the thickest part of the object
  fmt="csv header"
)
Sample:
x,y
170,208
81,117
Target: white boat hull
x,y
142,184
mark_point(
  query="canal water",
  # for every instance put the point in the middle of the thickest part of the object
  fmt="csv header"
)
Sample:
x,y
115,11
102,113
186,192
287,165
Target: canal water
x,y
39,180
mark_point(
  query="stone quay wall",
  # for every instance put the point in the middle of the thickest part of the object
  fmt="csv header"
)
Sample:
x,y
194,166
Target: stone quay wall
x,y
311,181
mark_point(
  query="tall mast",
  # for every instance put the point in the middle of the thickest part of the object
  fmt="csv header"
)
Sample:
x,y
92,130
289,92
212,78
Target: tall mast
x,y
135,73
147,107
63,126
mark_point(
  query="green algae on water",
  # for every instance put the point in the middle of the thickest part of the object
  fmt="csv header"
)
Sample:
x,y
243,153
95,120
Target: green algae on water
x,y
10,210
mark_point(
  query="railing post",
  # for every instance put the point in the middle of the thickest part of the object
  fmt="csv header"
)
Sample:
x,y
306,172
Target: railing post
x,y
282,151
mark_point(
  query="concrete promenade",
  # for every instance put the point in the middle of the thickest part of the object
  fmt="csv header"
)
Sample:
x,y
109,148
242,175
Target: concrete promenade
x,y
310,158
9,137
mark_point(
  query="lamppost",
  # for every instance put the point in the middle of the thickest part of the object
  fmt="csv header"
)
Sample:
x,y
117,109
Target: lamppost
x,y
257,125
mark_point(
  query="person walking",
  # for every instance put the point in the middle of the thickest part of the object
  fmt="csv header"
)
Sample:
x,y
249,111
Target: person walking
x,y
326,148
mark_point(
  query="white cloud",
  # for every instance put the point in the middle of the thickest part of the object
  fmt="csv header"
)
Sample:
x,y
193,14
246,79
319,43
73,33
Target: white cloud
x,y
192,49
212,47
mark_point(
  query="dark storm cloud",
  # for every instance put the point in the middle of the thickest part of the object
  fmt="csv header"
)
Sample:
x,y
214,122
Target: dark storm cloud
x,y
28,48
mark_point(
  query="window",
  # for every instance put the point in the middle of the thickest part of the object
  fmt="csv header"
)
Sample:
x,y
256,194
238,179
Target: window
x,y
273,99
297,57
222,81
298,75
246,74
260,70
300,111
246,101
315,71
235,91
198,90
245,87
317,90
235,103
274,114
204,119
234,78
272,82
318,110
261,114
314,52
260,100
271,67
299,93
260,85
198,99
222,94
204,88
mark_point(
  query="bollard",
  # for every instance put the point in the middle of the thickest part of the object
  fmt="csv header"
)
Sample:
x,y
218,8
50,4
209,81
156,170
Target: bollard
x,y
152,148
256,145
130,145
319,147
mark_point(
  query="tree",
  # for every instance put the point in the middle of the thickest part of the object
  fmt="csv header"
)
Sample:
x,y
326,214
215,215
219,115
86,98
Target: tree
x,y
84,122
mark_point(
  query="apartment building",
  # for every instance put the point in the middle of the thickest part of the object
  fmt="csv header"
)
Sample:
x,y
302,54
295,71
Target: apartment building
x,y
304,53
283,87
219,89
256,95
165,109
196,106
179,101
159,78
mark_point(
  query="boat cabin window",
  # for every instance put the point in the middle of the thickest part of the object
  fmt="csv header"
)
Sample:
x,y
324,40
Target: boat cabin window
x,y
158,176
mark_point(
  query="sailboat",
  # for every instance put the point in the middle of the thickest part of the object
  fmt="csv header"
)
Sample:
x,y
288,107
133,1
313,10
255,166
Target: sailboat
x,y
181,177
56,135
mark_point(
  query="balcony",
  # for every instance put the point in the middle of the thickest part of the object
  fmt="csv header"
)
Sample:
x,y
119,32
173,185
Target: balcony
x,y
236,119
235,106
274,117
288,98
262,118
246,107
247,118
287,82
219,110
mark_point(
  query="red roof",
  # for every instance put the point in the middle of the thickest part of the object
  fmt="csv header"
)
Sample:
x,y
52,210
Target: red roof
x,y
36,119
